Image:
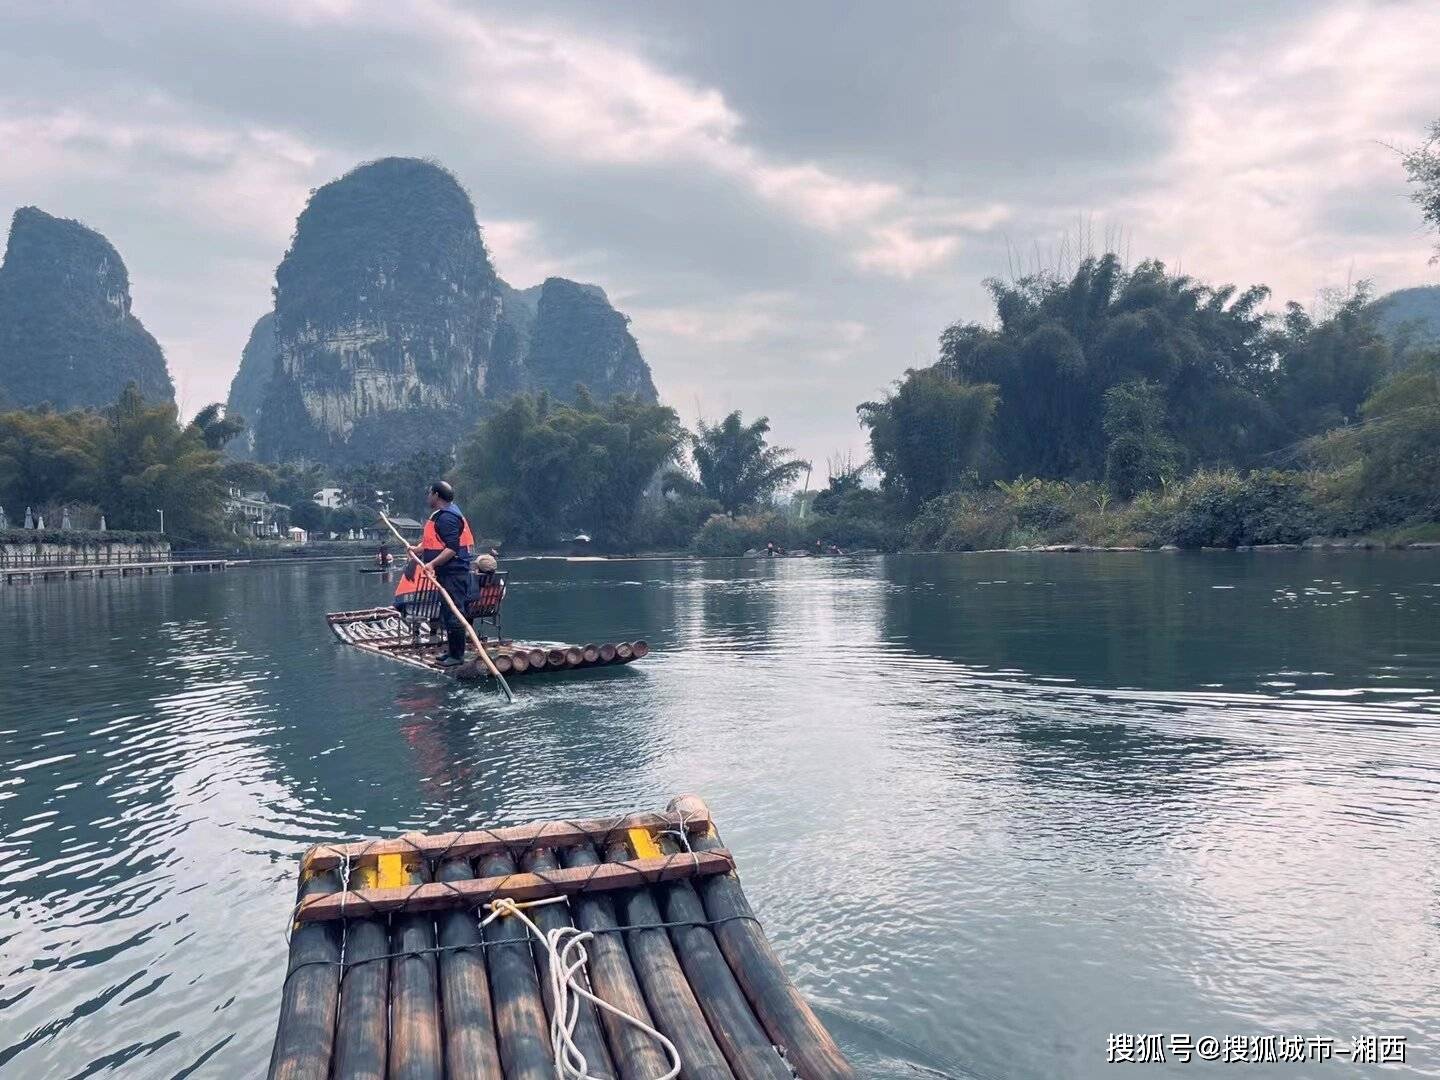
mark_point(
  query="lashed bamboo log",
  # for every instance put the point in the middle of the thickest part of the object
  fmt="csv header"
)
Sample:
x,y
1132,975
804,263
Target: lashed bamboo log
x,y
518,886
780,1006
304,1035
362,1029
672,1001
470,1048
637,1055
415,1047
523,1037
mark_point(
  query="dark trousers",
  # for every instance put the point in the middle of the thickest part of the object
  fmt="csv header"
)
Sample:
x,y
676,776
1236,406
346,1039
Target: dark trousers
x,y
459,588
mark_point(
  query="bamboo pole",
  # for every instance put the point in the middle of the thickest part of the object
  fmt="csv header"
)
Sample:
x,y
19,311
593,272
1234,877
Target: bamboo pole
x,y
776,1001
454,610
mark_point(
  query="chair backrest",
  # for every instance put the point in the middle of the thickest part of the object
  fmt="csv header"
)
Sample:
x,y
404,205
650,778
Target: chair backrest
x,y
423,605
486,604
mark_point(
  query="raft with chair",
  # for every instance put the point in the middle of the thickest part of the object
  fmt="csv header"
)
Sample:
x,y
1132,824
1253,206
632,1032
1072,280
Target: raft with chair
x,y
383,631
618,947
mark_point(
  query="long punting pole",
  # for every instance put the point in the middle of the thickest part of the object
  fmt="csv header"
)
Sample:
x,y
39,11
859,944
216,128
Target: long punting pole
x,y
454,610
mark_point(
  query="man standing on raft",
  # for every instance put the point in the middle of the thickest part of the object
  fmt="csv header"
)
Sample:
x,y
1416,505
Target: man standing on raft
x,y
445,547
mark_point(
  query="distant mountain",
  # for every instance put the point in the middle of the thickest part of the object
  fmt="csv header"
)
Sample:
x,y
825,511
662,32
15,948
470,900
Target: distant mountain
x,y
67,335
1410,318
391,331
247,389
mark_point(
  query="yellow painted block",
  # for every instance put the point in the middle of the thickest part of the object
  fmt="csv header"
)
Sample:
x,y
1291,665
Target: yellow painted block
x,y
643,844
390,871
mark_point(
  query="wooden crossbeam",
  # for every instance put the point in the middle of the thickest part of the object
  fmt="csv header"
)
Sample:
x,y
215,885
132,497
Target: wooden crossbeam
x,y
473,892
467,845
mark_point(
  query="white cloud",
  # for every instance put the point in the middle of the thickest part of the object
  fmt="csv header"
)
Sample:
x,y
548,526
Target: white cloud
x,y
1276,138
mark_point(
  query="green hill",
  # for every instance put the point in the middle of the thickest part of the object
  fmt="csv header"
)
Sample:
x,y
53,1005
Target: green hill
x,y
67,335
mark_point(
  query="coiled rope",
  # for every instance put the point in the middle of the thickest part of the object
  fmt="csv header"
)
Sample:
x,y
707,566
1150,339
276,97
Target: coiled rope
x,y
566,955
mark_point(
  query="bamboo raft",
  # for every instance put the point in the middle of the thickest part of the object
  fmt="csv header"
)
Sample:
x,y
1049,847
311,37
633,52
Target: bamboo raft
x,y
382,632
391,973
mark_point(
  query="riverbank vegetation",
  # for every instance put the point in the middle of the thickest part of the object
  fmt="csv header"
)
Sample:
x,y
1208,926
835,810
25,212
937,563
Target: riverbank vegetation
x,y
1111,405
129,462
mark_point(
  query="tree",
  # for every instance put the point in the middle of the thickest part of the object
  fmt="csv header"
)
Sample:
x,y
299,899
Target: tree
x,y
927,435
535,470
146,461
1422,169
737,467
215,427
1061,344
1328,368
1140,453
1389,463
46,456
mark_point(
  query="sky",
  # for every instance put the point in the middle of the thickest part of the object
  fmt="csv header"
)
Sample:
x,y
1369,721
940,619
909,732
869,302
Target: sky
x,y
791,201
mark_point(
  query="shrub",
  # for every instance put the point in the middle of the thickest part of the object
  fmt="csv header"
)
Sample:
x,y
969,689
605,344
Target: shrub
x,y
721,535
1224,509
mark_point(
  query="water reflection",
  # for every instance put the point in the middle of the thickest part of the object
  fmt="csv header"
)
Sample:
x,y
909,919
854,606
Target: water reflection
x,y
996,806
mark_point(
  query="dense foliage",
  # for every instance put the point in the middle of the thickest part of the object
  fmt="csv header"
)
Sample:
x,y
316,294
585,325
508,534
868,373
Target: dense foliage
x,y
737,467
130,460
538,471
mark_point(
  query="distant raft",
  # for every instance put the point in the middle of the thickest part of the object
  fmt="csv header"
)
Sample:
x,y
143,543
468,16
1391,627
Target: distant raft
x,y
402,966
382,632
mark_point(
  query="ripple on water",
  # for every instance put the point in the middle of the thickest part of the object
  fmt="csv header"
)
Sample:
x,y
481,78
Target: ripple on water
x,y
989,808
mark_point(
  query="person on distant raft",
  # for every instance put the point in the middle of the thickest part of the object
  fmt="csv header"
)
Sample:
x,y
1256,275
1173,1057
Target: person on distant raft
x,y
383,556
445,547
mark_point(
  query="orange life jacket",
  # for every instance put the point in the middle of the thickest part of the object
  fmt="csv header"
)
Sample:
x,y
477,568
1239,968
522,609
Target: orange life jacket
x,y
431,546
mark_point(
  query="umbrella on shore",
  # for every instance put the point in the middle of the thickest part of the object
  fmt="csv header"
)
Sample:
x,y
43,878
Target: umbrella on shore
x,y
65,518
29,519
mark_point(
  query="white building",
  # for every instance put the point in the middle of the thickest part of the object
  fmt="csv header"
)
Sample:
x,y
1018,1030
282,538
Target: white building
x,y
329,498
252,514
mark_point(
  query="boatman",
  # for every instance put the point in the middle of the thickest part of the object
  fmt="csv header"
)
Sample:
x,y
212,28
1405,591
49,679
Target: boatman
x,y
445,547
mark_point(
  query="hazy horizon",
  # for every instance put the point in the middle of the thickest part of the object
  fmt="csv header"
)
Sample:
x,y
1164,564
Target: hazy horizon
x,y
790,204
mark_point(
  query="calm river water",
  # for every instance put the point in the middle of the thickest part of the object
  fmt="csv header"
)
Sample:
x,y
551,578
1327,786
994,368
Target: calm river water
x,y
991,808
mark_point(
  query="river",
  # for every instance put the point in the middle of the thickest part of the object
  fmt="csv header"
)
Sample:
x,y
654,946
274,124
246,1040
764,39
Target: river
x,y
992,809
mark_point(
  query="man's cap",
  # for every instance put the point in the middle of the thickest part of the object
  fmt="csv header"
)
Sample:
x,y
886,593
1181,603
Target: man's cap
x,y
444,490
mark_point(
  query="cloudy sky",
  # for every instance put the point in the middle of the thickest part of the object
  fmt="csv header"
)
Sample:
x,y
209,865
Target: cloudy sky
x,y
790,200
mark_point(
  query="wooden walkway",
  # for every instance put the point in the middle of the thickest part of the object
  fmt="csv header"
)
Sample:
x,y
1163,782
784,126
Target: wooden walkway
x,y
400,967
26,574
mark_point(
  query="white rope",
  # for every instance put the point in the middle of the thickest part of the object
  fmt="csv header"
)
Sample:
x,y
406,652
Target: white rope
x,y
565,951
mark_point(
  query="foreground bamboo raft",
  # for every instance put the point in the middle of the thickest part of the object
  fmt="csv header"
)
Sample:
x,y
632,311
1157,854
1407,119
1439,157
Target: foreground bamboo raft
x,y
391,974
382,632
